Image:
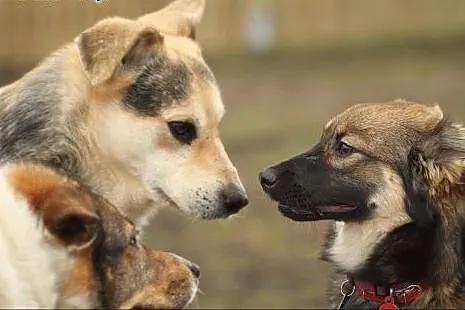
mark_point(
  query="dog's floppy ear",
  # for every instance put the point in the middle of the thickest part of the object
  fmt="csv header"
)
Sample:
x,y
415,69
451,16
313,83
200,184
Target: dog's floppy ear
x,y
115,44
437,168
179,18
438,161
66,210
69,214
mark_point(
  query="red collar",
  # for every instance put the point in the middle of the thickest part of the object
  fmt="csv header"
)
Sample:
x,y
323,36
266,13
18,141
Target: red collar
x,y
389,296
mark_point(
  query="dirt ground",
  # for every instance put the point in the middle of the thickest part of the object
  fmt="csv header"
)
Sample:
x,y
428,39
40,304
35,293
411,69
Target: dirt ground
x,y
277,106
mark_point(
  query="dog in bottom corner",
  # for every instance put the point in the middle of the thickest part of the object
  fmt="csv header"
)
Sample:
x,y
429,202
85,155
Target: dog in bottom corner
x,y
61,246
391,179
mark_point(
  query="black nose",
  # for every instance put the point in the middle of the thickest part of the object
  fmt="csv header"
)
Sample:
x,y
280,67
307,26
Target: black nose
x,y
195,269
268,178
234,199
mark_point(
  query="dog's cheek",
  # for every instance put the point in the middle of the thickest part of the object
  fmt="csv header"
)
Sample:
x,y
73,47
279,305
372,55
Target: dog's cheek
x,y
166,170
121,136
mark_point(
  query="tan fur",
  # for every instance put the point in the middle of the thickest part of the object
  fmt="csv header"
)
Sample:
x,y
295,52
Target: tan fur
x,y
129,157
365,126
179,18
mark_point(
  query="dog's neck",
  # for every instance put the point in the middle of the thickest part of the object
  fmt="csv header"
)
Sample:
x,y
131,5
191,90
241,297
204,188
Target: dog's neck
x,y
39,114
401,256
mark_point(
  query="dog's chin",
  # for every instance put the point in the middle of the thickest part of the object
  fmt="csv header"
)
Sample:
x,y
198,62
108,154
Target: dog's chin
x,y
213,211
316,213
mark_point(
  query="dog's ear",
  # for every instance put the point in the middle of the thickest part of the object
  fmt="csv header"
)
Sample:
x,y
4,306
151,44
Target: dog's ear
x,y
438,161
437,169
115,45
66,210
180,18
69,214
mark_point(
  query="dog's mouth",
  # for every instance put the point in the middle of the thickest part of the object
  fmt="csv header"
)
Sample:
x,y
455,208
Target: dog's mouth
x,y
314,213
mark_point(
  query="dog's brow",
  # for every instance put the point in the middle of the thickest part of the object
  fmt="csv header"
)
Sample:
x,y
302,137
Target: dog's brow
x,y
201,69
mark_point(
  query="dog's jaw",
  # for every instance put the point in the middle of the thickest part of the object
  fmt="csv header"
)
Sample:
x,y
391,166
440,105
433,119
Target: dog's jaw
x,y
352,245
354,242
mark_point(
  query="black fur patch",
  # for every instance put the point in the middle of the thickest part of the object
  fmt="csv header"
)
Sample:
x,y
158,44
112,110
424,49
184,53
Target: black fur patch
x,y
417,202
161,83
306,184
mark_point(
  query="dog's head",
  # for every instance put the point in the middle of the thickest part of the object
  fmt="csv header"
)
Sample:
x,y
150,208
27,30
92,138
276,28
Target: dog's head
x,y
372,161
105,265
379,170
156,107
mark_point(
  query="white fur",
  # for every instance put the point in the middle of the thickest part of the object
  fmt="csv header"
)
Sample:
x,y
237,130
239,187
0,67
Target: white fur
x,y
141,175
80,301
30,266
355,241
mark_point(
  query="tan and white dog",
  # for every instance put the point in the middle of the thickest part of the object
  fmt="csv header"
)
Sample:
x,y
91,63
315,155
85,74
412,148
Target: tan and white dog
x,y
62,246
131,110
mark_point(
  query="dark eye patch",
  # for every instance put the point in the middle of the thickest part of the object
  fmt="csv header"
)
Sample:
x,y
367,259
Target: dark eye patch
x,y
161,83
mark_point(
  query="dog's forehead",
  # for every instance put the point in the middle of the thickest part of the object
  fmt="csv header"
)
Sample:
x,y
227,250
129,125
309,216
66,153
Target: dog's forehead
x,y
178,85
203,81
203,102
204,107
396,117
182,47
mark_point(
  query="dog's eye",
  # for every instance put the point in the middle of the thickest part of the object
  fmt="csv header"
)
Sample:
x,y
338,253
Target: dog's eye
x,y
134,239
344,148
184,132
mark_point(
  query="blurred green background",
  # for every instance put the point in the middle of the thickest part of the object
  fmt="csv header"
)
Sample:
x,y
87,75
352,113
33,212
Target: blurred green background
x,y
285,67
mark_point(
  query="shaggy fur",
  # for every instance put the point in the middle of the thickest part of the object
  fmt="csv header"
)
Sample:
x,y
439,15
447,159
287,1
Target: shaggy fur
x,y
391,175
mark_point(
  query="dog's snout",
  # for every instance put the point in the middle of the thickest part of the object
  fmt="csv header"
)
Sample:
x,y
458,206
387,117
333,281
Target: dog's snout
x,y
268,178
195,269
234,199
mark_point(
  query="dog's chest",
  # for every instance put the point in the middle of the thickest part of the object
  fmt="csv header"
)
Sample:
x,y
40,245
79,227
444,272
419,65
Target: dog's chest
x,y
352,246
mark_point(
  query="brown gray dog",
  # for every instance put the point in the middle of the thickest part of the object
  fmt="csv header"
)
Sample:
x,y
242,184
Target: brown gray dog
x,y
391,176
131,110
63,247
